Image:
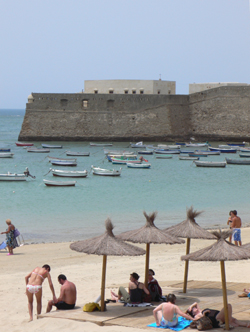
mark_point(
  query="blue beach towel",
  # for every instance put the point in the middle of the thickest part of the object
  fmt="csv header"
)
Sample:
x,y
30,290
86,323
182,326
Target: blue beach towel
x,y
182,324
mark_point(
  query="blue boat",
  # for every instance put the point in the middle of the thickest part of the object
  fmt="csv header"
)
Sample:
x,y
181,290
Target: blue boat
x,y
222,150
236,144
162,151
186,151
197,155
4,150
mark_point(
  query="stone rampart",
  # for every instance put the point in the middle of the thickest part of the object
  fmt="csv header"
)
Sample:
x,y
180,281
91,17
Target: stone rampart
x,y
216,114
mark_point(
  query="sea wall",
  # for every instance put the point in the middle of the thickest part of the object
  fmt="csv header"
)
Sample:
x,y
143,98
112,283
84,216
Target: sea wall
x,y
216,114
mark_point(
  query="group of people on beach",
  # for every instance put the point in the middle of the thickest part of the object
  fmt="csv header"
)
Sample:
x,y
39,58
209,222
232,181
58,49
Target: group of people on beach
x,y
34,281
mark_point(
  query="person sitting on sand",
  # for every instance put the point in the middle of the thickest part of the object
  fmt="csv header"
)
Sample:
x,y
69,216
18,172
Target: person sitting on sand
x,y
154,289
67,298
217,317
246,293
34,282
166,313
135,291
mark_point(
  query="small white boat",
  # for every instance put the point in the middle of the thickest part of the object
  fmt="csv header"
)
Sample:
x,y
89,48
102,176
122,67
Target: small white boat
x,y
189,158
244,155
117,152
48,146
59,183
131,165
137,145
38,150
63,163
146,152
164,156
198,145
77,154
61,159
210,163
16,177
125,160
245,150
69,174
100,144
106,172
229,147
13,177
160,151
6,155
168,147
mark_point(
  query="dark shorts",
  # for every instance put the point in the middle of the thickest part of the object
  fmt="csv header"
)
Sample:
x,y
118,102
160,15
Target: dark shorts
x,y
64,306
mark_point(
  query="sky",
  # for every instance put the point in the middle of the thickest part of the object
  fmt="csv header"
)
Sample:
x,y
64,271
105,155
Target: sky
x,y
52,46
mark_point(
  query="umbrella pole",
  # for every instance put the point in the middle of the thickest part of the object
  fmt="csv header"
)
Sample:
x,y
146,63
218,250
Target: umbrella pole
x,y
186,267
224,290
104,263
147,265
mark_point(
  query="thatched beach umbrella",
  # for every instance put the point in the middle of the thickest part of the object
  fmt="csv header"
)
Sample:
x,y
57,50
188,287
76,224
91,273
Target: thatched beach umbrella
x,y
189,229
149,233
106,245
222,251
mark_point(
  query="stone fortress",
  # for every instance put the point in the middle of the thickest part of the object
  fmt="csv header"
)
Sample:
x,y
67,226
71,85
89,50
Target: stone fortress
x,y
135,110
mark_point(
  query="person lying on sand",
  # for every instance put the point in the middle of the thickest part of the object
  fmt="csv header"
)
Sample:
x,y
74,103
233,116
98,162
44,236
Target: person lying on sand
x,y
34,282
217,317
67,298
166,313
135,291
246,293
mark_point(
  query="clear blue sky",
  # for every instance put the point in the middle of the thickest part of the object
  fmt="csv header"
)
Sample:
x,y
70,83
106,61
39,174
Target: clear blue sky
x,y
53,46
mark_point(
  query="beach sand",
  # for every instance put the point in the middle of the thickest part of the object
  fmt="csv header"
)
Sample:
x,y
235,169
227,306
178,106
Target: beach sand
x,y
85,271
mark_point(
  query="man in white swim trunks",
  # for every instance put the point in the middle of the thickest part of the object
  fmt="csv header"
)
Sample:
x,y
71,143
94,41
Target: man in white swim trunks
x,y
34,282
236,226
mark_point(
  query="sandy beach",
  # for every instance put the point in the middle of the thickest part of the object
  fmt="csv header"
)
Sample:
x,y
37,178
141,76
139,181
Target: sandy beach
x,y
85,271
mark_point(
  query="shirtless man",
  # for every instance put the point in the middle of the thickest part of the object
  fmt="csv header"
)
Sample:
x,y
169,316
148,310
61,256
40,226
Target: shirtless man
x,y
67,298
236,225
34,282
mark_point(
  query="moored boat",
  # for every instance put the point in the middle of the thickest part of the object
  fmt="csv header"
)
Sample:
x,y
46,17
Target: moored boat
x,y
168,147
237,144
145,152
24,144
117,152
160,151
164,156
198,145
222,150
38,150
199,163
196,154
69,174
100,144
78,154
122,157
244,155
189,158
237,161
4,150
118,161
131,165
48,146
61,159
137,145
63,163
6,155
106,172
16,177
50,183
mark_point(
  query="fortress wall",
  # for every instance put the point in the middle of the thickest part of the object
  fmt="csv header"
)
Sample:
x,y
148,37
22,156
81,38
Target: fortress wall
x,y
221,114
104,117
216,114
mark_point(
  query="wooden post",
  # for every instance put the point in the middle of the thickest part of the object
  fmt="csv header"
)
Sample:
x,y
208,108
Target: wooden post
x,y
147,264
186,267
224,290
104,263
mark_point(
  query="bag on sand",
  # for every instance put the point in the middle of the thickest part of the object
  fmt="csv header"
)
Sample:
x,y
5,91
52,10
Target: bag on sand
x,y
91,306
202,324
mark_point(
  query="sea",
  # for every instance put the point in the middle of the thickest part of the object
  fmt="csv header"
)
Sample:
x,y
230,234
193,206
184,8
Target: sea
x,y
63,214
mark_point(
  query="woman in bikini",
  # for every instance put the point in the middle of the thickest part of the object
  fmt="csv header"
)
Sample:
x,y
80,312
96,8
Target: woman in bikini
x,y
34,282
166,313
217,317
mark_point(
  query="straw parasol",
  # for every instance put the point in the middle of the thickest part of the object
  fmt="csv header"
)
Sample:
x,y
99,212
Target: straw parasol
x,y
106,244
149,233
221,250
189,229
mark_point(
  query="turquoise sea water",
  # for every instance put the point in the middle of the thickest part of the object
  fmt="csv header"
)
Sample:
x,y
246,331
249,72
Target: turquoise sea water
x,y
47,214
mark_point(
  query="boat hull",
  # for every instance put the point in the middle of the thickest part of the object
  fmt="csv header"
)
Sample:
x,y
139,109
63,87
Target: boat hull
x,y
63,163
69,174
6,155
59,183
24,144
237,161
210,164
130,165
77,154
13,177
47,146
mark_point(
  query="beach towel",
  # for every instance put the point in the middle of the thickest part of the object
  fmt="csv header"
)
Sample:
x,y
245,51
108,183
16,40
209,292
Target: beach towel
x,y
182,324
143,304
